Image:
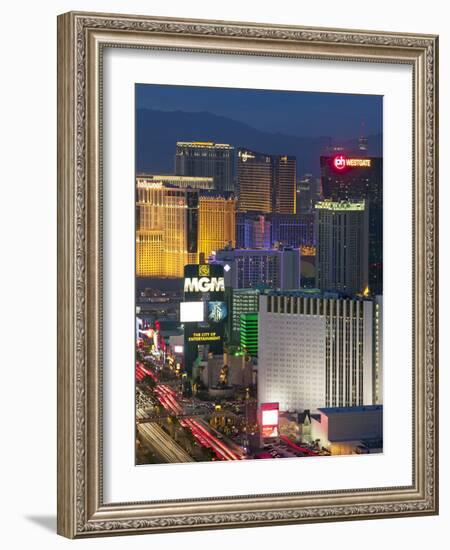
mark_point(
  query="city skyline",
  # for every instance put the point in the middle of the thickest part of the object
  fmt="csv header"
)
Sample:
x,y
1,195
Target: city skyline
x,y
188,113
258,285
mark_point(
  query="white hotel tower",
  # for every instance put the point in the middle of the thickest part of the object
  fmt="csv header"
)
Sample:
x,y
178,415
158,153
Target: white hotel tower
x,y
319,350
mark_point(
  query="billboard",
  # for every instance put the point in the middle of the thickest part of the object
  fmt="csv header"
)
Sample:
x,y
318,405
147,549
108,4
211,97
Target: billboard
x,y
203,282
201,335
340,162
192,312
268,418
204,309
217,312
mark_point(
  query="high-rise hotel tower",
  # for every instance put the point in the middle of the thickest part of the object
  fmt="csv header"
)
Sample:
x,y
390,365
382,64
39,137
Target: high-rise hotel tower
x,y
255,176
217,223
342,246
347,178
258,268
206,159
267,183
166,229
284,192
318,350
178,226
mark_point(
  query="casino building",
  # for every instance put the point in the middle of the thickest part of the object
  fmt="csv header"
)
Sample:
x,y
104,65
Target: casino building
x,y
252,230
166,229
267,183
348,178
292,230
318,350
217,223
179,226
271,268
206,159
256,230
195,182
342,246
203,311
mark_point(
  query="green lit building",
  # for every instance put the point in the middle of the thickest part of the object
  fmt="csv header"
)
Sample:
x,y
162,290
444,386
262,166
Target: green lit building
x,y
242,300
249,333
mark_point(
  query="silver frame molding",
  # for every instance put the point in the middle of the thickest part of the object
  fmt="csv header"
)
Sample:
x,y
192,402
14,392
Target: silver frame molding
x,y
81,39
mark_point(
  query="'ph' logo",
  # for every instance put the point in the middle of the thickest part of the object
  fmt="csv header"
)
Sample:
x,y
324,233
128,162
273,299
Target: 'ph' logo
x,y
339,162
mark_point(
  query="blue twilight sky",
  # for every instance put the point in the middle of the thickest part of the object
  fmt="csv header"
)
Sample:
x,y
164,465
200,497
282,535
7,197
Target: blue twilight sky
x,y
304,114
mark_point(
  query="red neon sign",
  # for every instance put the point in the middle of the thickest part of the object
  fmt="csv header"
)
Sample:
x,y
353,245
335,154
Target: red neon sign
x,y
339,162
269,419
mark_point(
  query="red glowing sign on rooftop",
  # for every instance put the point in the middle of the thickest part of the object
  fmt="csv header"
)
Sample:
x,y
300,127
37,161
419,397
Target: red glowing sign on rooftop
x,y
340,162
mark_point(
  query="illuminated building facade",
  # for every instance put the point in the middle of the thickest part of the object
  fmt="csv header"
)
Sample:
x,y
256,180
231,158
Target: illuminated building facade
x,y
342,246
255,176
267,183
292,230
284,189
257,268
166,229
249,333
256,230
195,182
308,266
204,311
206,159
351,178
243,300
378,350
217,223
252,230
316,350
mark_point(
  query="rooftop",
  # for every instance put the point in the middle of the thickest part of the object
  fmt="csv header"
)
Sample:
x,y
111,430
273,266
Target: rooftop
x,y
338,410
253,251
163,177
317,293
205,144
341,206
306,292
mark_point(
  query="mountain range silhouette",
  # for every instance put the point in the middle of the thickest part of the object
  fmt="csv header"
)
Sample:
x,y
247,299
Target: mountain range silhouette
x,y
158,131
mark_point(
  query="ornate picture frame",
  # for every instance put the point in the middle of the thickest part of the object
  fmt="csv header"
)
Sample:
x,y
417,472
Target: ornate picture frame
x,y
82,38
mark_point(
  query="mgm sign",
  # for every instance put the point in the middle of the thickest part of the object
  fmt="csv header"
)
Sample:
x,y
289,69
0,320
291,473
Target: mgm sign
x,y
203,284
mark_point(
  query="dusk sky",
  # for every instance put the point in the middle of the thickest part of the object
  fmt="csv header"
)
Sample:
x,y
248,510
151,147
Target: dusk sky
x,y
304,114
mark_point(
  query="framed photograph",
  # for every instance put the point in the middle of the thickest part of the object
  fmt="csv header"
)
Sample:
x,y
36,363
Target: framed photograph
x,y
247,274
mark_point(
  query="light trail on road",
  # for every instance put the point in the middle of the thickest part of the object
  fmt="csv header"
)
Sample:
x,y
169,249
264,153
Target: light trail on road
x,y
297,448
167,398
142,372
